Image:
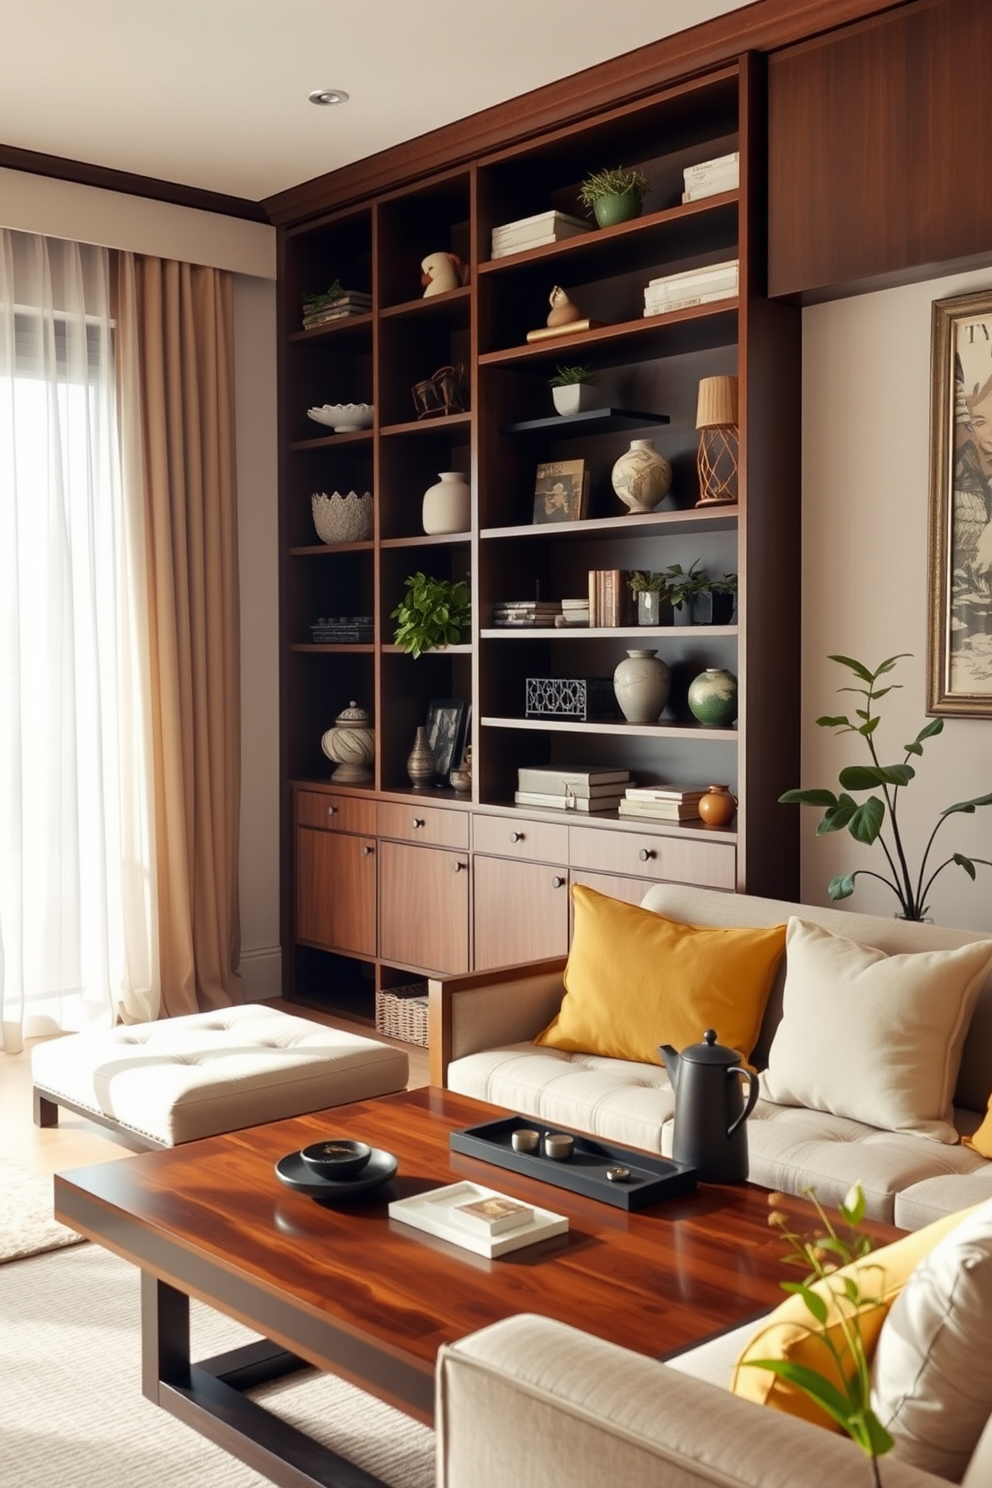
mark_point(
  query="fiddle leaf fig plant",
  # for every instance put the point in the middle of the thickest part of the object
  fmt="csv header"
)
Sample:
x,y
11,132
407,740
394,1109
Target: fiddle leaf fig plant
x,y
876,819
432,613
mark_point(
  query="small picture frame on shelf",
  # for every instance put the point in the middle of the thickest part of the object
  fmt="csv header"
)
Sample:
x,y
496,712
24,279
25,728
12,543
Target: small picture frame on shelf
x,y
446,718
561,491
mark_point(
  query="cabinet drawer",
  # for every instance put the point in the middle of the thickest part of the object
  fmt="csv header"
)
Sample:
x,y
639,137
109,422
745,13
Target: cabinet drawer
x,y
429,824
509,837
712,864
336,813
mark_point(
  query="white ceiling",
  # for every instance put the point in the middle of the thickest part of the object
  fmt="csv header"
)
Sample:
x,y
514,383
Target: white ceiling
x,y
213,93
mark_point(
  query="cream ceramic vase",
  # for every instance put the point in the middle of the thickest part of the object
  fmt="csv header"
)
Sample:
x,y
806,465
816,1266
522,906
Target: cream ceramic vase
x,y
641,684
641,477
351,745
448,504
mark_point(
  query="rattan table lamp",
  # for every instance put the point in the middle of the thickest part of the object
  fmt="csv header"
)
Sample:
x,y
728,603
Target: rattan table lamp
x,y
718,458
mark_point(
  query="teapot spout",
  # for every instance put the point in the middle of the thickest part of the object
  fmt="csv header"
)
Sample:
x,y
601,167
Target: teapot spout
x,y
671,1058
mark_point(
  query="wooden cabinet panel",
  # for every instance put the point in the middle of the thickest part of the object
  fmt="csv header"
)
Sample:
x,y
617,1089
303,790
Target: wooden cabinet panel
x,y
335,891
630,890
336,813
424,907
426,824
685,860
521,912
508,837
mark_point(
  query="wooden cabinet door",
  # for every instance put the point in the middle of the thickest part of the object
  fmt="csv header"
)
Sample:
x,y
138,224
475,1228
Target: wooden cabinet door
x,y
424,907
521,912
335,891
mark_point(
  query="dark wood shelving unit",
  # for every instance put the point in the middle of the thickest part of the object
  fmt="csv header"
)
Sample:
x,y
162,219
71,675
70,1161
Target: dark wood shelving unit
x,y
386,883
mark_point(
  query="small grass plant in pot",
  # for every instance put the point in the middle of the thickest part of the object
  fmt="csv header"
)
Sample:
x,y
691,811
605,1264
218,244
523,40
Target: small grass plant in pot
x,y
654,606
876,819
573,389
614,195
432,613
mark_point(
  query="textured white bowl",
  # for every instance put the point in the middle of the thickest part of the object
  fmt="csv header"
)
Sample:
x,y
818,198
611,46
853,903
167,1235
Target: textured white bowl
x,y
340,519
343,417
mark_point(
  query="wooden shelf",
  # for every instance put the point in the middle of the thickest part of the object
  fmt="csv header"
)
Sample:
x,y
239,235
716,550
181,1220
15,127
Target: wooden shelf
x,y
424,427
614,728
699,328
712,519
330,440
453,305
322,550
332,647
428,540
614,821
590,421
347,328
601,632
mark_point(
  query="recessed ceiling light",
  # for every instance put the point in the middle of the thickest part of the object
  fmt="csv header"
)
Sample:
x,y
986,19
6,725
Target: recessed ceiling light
x,y
327,96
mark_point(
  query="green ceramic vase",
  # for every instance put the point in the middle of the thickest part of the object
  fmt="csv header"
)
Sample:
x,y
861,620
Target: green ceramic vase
x,y
713,698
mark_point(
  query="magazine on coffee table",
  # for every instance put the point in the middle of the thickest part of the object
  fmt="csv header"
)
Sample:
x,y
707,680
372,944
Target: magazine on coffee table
x,y
479,1219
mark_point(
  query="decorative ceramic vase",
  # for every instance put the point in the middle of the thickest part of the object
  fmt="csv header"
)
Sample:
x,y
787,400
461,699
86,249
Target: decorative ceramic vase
x,y
460,778
641,477
342,519
574,397
713,698
641,684
420,761
617,206
448,504
717,806
351,744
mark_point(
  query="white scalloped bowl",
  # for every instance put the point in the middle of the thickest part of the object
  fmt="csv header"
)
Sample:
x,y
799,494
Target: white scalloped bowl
x,y
340,519
343,417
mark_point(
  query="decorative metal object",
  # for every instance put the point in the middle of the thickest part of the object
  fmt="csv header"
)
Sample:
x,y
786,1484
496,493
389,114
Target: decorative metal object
x,y
581,698
718,460
446,391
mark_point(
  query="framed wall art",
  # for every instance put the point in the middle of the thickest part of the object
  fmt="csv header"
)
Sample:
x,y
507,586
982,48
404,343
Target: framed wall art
x,y
959,656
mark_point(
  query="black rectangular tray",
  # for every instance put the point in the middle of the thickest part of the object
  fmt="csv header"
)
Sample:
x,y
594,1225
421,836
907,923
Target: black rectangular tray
x,y
651,1178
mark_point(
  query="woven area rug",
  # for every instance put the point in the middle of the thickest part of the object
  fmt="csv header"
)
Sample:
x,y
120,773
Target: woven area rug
x,y
26,1223
73,1412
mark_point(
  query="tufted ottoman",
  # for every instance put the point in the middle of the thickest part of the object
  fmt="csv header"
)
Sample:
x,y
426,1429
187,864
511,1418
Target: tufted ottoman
x,y
183,1078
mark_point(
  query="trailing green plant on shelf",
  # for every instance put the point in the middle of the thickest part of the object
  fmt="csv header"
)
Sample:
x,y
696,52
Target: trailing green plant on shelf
x,y
570,376
866,820
613,182
432,613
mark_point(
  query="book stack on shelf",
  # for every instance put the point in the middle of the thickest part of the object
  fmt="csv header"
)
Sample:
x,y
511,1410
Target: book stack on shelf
x,y
534,232
343,629
536,613
573,612
692,287
611,602
672,803
571,788
710,177
322,309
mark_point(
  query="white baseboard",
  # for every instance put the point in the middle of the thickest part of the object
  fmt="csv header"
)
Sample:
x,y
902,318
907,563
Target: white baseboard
x,y
261,973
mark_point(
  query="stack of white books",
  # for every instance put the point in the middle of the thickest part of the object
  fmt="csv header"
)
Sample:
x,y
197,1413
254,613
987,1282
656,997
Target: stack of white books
x,y
573,612
710,177
534,232
692,287
571,788
674,803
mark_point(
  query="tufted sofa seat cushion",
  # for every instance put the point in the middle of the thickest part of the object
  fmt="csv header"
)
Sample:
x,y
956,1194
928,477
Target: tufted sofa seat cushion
x,y
180,1079
933,1196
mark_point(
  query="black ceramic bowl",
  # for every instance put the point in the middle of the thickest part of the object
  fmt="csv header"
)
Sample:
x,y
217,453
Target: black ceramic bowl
x,y
336,1157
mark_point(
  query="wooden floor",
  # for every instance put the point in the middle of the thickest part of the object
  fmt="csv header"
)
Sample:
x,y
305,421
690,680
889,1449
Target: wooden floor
x,y
76,1142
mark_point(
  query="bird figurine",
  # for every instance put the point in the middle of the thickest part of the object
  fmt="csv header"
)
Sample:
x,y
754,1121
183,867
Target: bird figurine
x,y
441,272
563,312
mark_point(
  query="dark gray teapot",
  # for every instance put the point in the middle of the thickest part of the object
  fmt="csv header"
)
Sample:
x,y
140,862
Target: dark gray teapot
x,y
710,1109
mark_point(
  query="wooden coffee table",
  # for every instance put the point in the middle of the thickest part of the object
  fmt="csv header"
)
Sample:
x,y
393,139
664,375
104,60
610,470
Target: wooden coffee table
x,y
352,1292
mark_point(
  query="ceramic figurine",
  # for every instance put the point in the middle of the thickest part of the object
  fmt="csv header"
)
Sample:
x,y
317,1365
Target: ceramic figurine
x,y
563,312
441,272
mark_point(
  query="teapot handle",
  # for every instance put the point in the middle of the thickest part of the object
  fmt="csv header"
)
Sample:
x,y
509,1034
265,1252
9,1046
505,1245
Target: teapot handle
x,y
752,1096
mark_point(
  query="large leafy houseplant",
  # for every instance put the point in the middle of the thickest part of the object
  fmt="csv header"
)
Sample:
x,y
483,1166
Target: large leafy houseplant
x,y
866,819
432,613
843,1388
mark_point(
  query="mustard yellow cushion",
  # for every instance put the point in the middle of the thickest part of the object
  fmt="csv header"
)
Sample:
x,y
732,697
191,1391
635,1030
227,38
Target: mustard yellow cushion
x,y
635,980
981,1142
791,1332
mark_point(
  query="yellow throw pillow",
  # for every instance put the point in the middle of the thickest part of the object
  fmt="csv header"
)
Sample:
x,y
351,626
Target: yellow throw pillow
x,y
981,1142
635,980
791,1332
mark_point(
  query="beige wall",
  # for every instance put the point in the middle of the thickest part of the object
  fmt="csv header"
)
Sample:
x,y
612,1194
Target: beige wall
x,y
866,394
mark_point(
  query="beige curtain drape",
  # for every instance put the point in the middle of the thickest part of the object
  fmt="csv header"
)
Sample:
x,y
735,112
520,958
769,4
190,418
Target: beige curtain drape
x,y
176,355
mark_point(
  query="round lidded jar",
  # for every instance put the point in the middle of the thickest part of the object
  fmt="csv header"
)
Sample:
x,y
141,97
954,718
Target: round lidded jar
x,y
351,744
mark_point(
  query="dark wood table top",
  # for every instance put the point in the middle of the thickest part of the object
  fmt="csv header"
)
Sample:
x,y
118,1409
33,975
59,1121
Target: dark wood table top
x,y
364,1296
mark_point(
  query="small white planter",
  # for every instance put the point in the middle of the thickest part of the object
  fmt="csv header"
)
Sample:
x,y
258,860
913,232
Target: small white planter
x,y
574,398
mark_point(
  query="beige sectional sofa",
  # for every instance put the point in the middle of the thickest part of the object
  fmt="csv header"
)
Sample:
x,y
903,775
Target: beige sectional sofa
x,y
482,1027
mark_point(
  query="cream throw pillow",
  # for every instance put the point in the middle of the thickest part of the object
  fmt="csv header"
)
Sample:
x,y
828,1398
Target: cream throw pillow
x,y
872,1037
932,1370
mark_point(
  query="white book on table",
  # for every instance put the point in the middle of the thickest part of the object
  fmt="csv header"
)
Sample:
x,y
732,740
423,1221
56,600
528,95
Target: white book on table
x,y
432,1213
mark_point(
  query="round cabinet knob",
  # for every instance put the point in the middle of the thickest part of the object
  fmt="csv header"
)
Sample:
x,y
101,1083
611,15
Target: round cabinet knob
x,y
458,867
332,811
367,851
418,821
646,854
516,836
557,882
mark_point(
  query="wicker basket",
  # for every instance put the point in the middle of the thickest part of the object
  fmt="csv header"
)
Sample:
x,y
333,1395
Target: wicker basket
x,y
401,1013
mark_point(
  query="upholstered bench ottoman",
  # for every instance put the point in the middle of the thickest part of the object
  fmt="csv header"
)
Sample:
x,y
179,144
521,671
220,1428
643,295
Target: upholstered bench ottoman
x,y
183,1078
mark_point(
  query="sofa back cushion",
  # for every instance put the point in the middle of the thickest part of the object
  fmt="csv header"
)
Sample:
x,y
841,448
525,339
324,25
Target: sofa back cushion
x,y
707,907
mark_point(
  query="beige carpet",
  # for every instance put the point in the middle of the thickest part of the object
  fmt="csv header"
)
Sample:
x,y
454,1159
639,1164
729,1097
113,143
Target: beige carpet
x,y
72,1407
26,1223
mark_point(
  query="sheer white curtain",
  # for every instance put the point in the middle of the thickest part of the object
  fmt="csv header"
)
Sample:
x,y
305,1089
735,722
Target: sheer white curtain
x,y
77,919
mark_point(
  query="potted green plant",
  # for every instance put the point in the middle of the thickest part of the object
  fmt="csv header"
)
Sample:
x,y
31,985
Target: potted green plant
x,y
682,585
573,389
866,820
431,614
715,600
614,195
654,607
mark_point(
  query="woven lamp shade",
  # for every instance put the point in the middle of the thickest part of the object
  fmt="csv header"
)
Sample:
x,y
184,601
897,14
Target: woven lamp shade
x,y
717,403
718,460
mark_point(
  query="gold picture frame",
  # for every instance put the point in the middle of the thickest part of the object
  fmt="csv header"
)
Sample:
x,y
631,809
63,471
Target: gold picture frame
x,y
959,652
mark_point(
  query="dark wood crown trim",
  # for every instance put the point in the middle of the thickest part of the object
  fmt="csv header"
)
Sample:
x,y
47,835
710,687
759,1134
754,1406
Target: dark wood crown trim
x,y
84,174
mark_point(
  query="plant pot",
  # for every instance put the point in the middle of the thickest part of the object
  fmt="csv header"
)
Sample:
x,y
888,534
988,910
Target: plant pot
x,y
641,477
641,684
617,207
713,698
682,614
448,504
653,609
574,397
713,609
